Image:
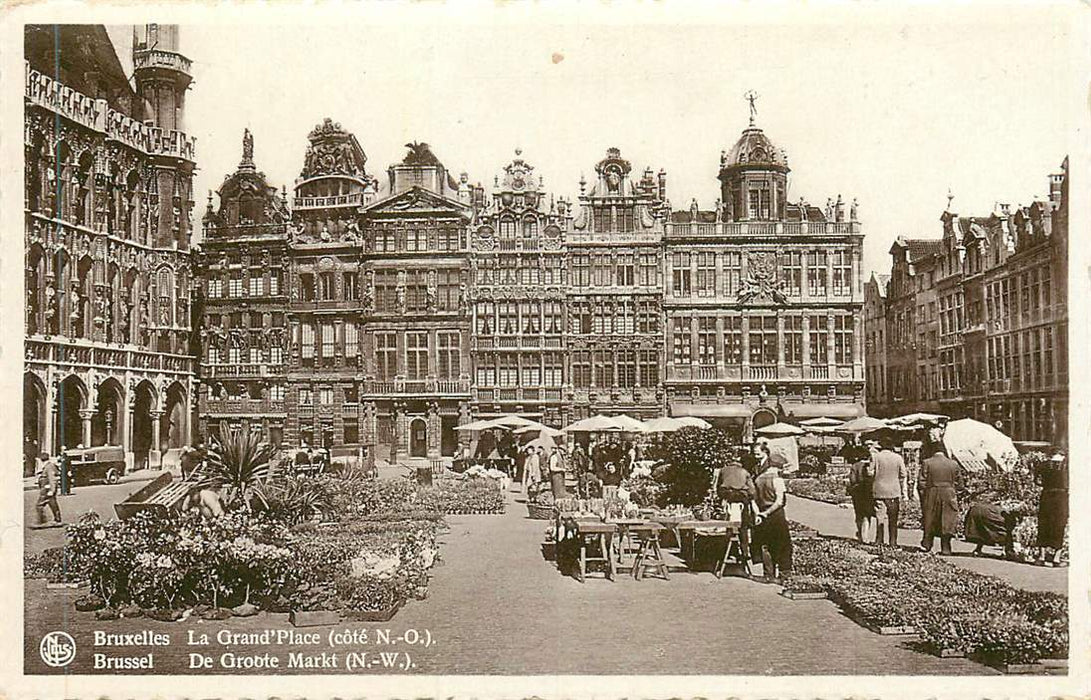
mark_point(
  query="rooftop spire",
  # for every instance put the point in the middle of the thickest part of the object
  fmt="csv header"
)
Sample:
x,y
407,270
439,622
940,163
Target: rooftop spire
x,y
247,161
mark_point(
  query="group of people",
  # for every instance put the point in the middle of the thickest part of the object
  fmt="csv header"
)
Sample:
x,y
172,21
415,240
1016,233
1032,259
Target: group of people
x,y
534,465
757,497
879,482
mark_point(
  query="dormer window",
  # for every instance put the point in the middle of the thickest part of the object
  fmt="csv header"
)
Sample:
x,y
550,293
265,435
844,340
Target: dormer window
x,y
760,203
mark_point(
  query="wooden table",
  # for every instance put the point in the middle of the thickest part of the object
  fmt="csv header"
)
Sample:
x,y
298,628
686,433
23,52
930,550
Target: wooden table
x,y
688,530
623,536
595,532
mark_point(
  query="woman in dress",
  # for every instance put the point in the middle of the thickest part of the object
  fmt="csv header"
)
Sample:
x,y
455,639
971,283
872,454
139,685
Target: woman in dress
x,y
1052,508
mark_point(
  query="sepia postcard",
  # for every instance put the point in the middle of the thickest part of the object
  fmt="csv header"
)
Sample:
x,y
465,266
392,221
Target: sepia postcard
x,y
512,350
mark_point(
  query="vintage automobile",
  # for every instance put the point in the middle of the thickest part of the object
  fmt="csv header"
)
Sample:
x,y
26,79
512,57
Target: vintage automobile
x,y
91,465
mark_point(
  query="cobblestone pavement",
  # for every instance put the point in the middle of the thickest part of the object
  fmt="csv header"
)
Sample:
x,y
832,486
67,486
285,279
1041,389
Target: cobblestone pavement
x,y
830,519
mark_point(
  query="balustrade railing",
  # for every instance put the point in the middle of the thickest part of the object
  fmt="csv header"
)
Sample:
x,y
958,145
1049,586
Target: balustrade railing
x,y
762,372
760,228
119,358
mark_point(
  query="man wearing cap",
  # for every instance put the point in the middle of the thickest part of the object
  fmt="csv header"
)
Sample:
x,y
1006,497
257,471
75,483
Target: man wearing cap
x,y
772,543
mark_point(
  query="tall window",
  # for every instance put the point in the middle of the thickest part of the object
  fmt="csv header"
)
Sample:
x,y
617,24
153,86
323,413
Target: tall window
x,y
791,265
602,218
530,227
604,367
706,274
274,282
1047,355
647,317
255,356
603,270
306,286
326,286
682,341
509,318
235,284
448,350
530,271
532,371
733,340
448,238
649,368
581,368
352,343
763,340
215,288
351,283
581,270
842,273
552,269
680,274
276,355
508,374
508,272
213,355
760,203
306,344
386,240
328,353
416,354
325,396
793,340
732,272
484,321
448,282
416,240
819,340
816,273
649,269
416,290
386,290
706,340
306,398
552,369
842,339
486,370
626,367
276,392
531,313
581,318
626,270
386,355
553,317
256,282
507,234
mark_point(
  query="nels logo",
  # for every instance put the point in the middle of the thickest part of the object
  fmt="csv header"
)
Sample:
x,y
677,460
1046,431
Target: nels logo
x,y
57,649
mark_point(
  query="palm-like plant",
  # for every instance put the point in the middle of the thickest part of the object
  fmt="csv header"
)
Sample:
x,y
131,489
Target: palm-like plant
x,y
237,462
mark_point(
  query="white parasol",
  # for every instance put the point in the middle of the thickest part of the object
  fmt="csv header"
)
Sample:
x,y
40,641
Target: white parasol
x,y
780,430
972,442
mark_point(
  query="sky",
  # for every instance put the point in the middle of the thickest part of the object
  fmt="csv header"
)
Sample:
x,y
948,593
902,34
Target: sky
x,y
895,111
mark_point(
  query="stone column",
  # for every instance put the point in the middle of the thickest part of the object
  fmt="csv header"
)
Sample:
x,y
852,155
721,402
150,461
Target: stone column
x,y
50,412
434,431
154,453
807,345
86,414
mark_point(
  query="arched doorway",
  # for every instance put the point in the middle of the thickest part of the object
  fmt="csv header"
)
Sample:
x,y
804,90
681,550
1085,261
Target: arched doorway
x,y
71,400
34,418
173,430
143,406
106,423
418,438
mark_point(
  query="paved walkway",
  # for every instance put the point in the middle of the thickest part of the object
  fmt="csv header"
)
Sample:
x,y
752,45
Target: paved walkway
x,y
830,519
497,606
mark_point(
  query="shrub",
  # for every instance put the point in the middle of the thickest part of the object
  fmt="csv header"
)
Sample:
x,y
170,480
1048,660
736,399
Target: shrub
x,y
237,462
690,456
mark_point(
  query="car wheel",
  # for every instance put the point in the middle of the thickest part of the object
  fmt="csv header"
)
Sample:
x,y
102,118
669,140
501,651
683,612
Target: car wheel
x,y
112,476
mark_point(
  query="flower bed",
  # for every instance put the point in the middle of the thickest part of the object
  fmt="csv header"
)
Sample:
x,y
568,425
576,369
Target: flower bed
x,y
373,553
953,610
831,488
464,497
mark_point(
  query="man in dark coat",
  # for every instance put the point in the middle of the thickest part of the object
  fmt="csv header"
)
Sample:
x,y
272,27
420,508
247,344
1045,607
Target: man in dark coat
x,y
940,478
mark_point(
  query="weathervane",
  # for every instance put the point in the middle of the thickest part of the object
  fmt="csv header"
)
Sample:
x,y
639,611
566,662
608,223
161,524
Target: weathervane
x,y
752,97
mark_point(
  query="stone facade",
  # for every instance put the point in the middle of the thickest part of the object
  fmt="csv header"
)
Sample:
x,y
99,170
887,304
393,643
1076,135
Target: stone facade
x,y
421,304
977,320
108,272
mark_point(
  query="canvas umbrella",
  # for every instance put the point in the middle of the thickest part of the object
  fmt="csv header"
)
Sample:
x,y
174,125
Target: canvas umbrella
x,y
821,422
478,425
863,424
923,419
694,422
541,430
666,424
972,443
544,441
594,424
514,421
628,423
780,430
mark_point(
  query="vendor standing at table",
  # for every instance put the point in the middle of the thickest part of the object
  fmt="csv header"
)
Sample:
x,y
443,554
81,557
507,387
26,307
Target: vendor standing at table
x,y
772,542
556,472
733,484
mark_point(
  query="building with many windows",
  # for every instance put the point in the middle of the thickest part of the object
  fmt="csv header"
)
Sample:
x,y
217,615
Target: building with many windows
x,y
988,332
412,306
763,299
107,232
518,287
615,291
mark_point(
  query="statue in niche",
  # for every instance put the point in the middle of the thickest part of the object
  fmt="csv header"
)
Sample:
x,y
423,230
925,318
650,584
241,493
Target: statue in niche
x,y
399,298
325,235
463,296
369,292
352,231
74,301
50,301
430,292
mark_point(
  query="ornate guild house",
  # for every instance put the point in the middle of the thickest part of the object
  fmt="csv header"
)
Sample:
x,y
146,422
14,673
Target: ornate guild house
x,y
107,238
